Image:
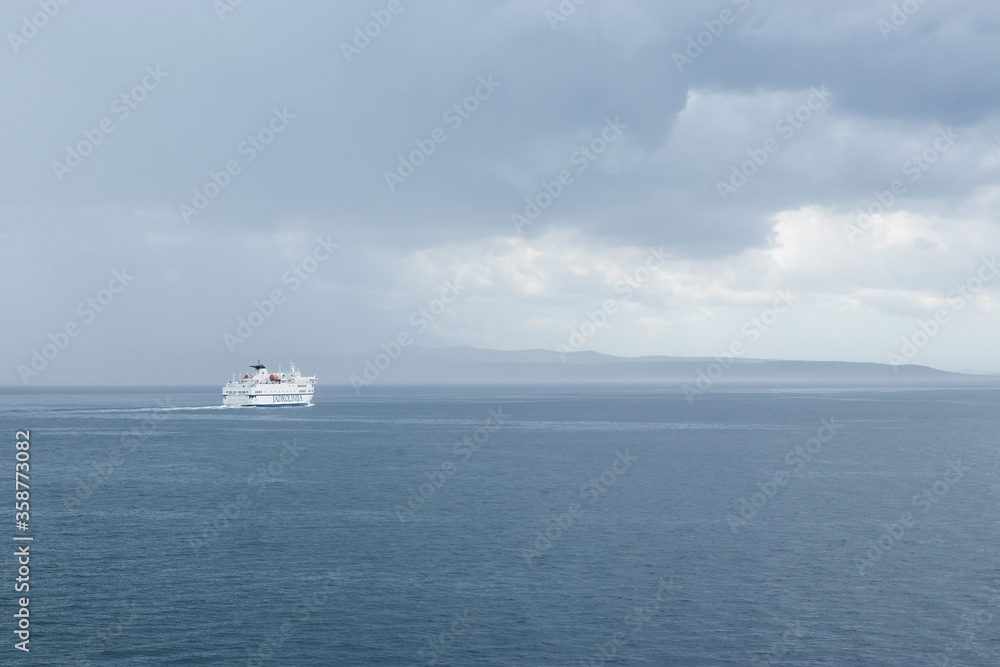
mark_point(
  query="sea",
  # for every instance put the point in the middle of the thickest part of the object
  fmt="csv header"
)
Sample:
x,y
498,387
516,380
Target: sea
x,y
543,525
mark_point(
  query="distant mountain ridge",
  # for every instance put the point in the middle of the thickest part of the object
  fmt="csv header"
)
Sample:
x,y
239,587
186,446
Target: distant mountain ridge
x,y
471,365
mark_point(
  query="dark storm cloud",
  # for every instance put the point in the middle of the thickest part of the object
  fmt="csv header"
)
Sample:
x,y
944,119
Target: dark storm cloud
x,y
220,146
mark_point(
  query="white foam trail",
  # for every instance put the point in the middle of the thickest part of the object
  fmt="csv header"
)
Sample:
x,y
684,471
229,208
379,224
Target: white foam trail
x,y
160,409
166,409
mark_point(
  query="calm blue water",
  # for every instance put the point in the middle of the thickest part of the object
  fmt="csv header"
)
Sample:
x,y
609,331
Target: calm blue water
x,y
299,536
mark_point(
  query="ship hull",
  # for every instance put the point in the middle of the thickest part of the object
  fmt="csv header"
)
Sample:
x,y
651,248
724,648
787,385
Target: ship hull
x,y
266,400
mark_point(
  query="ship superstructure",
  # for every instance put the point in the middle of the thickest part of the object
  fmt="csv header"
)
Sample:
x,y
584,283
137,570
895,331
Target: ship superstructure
x,y
264,389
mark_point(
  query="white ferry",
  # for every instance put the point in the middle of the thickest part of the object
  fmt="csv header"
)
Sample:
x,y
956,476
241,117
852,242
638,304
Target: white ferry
x,y
269,389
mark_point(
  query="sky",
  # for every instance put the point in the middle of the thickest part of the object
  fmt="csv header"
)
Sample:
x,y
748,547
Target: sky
x,y
189,186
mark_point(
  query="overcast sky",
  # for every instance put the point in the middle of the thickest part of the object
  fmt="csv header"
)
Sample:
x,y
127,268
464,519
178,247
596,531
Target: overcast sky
x,y
740,137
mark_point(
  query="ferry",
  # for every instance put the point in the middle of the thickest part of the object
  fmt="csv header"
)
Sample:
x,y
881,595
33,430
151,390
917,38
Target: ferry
x,y
263,389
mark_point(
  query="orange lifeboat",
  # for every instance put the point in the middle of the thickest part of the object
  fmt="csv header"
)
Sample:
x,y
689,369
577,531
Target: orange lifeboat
x,y
274,378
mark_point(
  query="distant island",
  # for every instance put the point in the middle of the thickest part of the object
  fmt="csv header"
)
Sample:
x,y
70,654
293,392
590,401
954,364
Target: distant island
x,y
471,365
